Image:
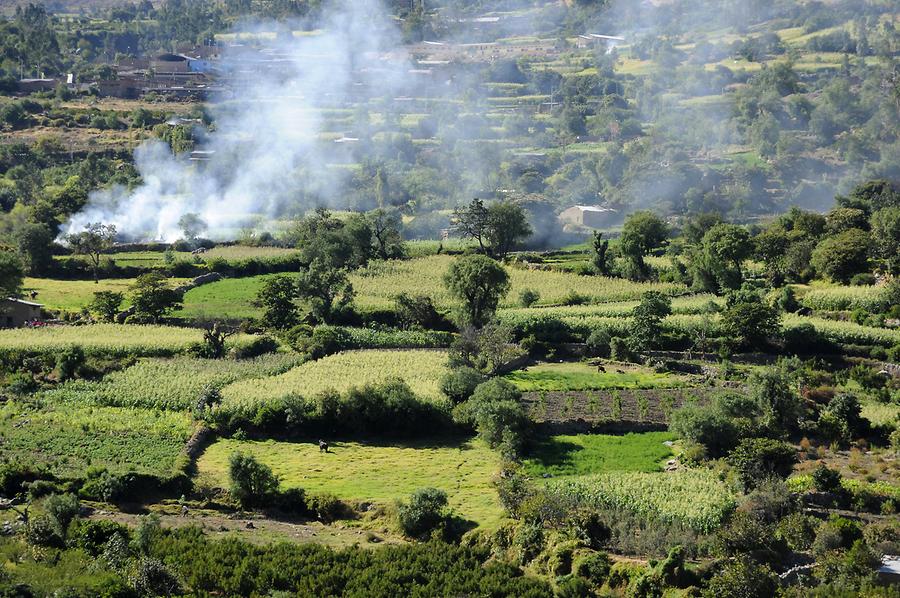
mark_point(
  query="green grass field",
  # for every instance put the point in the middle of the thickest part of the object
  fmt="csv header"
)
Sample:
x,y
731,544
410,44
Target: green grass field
x,y
375,472
421,369
117,338
228,298
597,453
583,376
72,295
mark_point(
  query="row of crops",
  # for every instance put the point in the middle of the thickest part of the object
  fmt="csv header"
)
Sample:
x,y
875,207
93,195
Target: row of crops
x,y
694,498
420,369
173,384
110,339
69,439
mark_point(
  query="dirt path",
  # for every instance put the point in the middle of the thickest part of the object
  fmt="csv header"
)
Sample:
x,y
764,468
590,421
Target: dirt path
x,y
253,528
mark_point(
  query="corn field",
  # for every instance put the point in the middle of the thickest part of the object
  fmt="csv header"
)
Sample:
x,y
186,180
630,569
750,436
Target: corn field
x,y
695,498
869,298
173,384
117,339
377,285
420,369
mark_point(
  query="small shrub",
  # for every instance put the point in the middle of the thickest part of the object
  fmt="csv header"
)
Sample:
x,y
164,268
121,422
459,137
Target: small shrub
x,y
528,541
252,483
528,297
424,512
797,530
459,383
326,507
598,343
593,566
863,279
619,349
826,480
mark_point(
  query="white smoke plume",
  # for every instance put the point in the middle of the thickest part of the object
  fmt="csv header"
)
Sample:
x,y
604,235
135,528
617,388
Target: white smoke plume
x,y
266,153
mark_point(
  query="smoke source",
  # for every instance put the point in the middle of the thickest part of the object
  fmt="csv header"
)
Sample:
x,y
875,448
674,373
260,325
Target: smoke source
x,y
266,154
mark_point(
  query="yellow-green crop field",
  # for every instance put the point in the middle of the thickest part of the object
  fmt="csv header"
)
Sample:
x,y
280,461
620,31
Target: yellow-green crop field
x,y
174,383
381,473
377,285
115,338
693,497
421,369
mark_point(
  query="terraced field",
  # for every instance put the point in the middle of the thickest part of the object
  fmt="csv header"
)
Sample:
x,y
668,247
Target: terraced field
x,y
173,384
382,474
420,369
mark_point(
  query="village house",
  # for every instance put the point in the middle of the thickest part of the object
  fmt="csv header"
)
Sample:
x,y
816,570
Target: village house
x,y
15,313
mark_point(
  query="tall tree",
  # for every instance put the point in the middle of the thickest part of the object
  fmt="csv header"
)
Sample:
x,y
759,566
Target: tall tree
x,y
325,287
471,222
152,297
507,226
480,283
95,239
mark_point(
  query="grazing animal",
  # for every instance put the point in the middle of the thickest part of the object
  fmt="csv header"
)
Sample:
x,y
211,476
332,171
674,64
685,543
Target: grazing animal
x,y
600,368
323,446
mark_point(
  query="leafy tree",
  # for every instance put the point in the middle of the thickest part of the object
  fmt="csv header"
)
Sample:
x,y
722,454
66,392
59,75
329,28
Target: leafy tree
x,y
886,237
758,459
471,222
480,283
252,483
497,228
105,305
95,239
496,412
748,321
425,511
417,311
841,256
192,225
214,339
841,219
643,231
600,254
709,427
11,273
773,390
724,249
507,226
460,382
326,288
152,297
386,225
647,318
333,242
34,242
276,297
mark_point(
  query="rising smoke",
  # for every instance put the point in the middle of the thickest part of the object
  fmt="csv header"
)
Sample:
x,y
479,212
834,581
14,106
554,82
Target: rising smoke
x,y
266,155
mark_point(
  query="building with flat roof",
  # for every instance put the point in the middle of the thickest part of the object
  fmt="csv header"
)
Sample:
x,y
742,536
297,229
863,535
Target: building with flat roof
x,y
15,313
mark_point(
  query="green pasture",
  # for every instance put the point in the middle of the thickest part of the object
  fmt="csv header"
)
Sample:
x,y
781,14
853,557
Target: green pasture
x,y
584,376
380,473
72,295
597,453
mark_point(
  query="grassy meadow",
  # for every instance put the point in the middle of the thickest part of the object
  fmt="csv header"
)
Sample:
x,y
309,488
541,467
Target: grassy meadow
x,y
582,454
375,472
